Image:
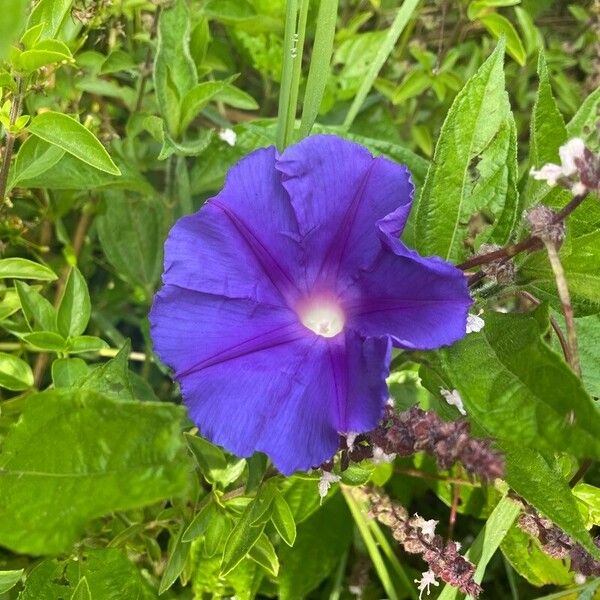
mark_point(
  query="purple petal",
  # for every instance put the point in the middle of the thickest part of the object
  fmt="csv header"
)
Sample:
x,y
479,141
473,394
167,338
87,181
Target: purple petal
x,y
253,378
242,243
422,303
340,193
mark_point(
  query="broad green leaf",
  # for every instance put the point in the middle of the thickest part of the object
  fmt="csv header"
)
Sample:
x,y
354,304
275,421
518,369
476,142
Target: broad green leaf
x,y
487,542
579,257
548,133
217,533
39,312
8,579
584,123
527,558
11,24
589,499
481,7
264,554
178,555
112,378
283,519
77,455
302,496
66,372
46,340
500,26
132,231
70,135
532,37
52,14
45,53
15,373
412,85
233,96
210,458
449,197
9,305
520,375
197,98
75,307
35,157
22,268
206,514
82,591
107,571
174,69
530,475
321,541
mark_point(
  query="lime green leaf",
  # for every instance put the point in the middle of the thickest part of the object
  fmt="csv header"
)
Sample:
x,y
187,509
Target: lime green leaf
x,y
500,26
478,115
75,306
232,96
15,373
46,340
35,157
45,53
583,124
178,555
263,553
589,496
52,14
527,558
210,458
77,455
85,343
8,579
21,268
283,519
201,521
66,372
82,591
521,375
70,135
39,313
197,98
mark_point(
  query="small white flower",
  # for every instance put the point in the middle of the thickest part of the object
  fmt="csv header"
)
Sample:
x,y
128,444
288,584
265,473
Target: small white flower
x,y
327,479
379,456
453,399
390,402
229,136
573,150
427,527
570,152
428,579
578,188
355,590
350,438
580,579
474,323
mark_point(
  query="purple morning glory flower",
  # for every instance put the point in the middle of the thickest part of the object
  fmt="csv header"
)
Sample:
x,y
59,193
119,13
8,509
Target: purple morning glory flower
x,y
284,294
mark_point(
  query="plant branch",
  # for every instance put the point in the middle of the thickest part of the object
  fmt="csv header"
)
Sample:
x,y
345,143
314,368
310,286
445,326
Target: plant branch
x,y
15,113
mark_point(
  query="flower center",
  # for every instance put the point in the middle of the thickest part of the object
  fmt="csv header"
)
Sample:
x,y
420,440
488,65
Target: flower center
x,y
323,316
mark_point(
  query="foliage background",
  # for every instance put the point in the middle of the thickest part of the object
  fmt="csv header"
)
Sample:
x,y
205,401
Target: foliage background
x,y
112,115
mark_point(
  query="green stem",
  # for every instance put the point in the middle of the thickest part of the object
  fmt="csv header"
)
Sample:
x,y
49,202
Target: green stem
x,y
402,18
293,45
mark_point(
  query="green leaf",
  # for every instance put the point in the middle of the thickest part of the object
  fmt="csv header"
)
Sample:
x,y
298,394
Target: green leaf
x,y
197,98
234,96
39,313
45,53
82,591
35,157
527,558
579,257
449,197
283,519
174,69
112,378
321,542
8,579
302,496
320,65
77,455
264,554
520,374
247,530
15,373
208,511
52,14
46,340
500,26
85,343
589,499
70,135
588,334
131,232
583,124
178,555
210,458
22,268
75,307
66,372
530,475
11,24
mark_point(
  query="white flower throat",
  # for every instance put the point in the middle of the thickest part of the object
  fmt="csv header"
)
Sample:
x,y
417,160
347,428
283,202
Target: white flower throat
x,y
323,317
